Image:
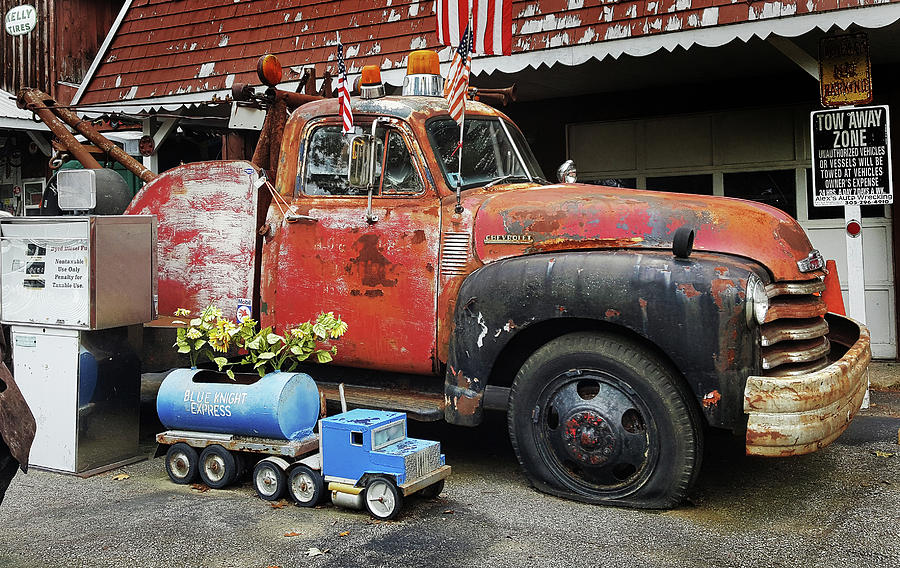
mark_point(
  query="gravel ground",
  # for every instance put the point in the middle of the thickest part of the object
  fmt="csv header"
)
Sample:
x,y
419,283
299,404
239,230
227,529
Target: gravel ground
x,y
838,507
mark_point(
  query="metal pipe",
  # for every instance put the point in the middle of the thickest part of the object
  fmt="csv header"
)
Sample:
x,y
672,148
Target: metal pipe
x,y
43,105
40,104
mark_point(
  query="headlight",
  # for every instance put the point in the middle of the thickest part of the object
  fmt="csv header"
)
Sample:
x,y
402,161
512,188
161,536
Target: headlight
x,y
757,300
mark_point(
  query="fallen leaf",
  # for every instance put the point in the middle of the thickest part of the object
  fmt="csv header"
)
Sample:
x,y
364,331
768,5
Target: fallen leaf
x,y
316,552
120,477
345,533
201,487
291,533
277,504
448,512
883,454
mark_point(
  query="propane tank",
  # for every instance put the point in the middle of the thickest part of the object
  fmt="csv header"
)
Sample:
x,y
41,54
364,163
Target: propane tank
x,y
279,405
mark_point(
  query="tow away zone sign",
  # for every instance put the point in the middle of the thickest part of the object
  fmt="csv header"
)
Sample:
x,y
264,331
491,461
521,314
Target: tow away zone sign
x,y
851,156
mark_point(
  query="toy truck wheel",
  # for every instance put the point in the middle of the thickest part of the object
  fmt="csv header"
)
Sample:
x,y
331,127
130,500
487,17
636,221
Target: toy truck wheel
x,y
269,480
599,418
433,490
181,463
305,486
383,500
218,468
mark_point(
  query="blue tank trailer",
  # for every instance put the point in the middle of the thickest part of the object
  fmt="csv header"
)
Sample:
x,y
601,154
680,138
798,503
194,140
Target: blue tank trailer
x,y
218,428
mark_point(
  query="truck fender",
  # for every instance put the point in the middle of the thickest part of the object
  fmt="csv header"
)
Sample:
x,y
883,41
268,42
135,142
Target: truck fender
x,y
691,311
313,462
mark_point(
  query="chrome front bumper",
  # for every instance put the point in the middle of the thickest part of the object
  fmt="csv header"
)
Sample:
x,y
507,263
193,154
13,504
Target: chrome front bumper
x,y
799,414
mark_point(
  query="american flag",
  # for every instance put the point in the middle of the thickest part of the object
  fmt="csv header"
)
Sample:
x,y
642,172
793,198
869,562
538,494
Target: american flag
x,y
344,93
458,79
492,24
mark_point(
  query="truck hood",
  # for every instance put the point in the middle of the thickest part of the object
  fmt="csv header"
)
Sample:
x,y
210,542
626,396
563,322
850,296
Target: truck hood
x,y
516,220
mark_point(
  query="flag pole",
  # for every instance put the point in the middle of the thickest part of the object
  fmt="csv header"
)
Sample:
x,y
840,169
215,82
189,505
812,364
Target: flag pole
x,y
462,122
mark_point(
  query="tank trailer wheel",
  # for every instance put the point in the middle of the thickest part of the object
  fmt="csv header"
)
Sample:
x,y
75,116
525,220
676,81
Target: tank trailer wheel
x,y
181,463
599,418
305,486
218,467
269,480
382,498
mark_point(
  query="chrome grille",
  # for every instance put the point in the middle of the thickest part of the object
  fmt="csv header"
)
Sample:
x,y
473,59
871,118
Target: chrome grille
x,y
455,253
422,462
794,338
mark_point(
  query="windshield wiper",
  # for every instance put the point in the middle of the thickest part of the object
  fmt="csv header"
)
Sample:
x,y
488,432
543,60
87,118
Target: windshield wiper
x,y
501,179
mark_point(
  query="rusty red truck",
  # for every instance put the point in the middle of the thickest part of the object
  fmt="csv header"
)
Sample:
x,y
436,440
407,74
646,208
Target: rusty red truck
x,y
614,325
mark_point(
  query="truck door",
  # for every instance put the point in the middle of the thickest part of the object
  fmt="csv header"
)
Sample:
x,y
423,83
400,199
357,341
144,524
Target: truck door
x,y
378,274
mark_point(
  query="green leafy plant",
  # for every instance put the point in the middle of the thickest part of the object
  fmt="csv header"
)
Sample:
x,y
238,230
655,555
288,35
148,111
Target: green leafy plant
x,y
264,350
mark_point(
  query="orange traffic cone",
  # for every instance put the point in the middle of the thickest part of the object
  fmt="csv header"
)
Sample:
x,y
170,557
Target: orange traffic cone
x,y
832,294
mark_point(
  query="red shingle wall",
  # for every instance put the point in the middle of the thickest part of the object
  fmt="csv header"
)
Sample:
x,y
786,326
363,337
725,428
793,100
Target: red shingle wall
x,y
171,47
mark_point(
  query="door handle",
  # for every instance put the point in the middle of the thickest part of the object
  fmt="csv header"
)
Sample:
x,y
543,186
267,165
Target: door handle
x,y
293,218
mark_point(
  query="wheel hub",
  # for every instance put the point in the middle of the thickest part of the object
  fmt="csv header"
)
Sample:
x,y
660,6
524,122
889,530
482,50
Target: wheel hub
x,y
588,438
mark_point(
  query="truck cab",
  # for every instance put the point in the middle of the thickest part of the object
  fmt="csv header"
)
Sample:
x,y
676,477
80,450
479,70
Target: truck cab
x,y
367,453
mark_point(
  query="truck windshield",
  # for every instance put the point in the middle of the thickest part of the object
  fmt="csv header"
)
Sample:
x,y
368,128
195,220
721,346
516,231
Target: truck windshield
x,y
387,435
493,151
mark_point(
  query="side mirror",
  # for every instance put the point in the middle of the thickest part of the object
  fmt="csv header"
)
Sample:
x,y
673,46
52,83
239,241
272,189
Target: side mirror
x,y
359,170
566,173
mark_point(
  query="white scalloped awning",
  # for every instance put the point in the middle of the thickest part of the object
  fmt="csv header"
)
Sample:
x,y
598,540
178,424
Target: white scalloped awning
x,y
871,17
14,118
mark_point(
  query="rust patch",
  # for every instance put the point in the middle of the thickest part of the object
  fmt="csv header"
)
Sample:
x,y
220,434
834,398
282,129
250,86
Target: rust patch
x,y
355,292
721,271
418,237
374,293
466,406
372,267
711,399
611,313
688,290
718,288
642,303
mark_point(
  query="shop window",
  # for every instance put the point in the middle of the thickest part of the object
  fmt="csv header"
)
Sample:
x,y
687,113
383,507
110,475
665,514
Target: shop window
x,y
836,212
777,188
696,184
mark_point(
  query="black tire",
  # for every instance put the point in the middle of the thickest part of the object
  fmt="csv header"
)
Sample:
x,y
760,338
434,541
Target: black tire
x,y
433,490
218,467
305,486
181,463
269,480
383,499
599,418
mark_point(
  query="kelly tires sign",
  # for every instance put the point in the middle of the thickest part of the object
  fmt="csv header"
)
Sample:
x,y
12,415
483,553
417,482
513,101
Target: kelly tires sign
x,y
20,20
851,156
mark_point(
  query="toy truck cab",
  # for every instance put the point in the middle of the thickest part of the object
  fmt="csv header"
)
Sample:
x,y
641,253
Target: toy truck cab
x,y
367,456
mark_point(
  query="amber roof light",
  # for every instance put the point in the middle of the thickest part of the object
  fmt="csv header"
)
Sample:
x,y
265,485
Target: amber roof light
x,y
268,69
423,62
423,74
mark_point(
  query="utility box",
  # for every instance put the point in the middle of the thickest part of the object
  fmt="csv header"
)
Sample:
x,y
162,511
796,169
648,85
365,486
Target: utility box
x,y
75,291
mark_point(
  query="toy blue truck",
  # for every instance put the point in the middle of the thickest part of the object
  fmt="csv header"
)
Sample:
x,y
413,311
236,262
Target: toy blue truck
x,y
363,458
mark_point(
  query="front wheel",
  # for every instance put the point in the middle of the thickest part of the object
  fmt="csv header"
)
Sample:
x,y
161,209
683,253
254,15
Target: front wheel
x,y
383,499
599,418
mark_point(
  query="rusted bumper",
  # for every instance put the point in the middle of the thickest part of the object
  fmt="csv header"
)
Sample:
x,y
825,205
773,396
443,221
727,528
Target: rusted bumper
x,y
799,414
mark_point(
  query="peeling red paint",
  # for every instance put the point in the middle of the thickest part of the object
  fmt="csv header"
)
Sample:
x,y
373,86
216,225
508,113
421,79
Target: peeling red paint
x,y
688,290
711,399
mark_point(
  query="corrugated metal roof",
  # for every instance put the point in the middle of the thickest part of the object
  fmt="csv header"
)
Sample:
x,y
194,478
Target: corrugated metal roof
x,y
173,52
14,118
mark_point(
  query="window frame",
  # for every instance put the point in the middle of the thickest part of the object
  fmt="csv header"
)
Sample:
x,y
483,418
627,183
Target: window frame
x,y
365,122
